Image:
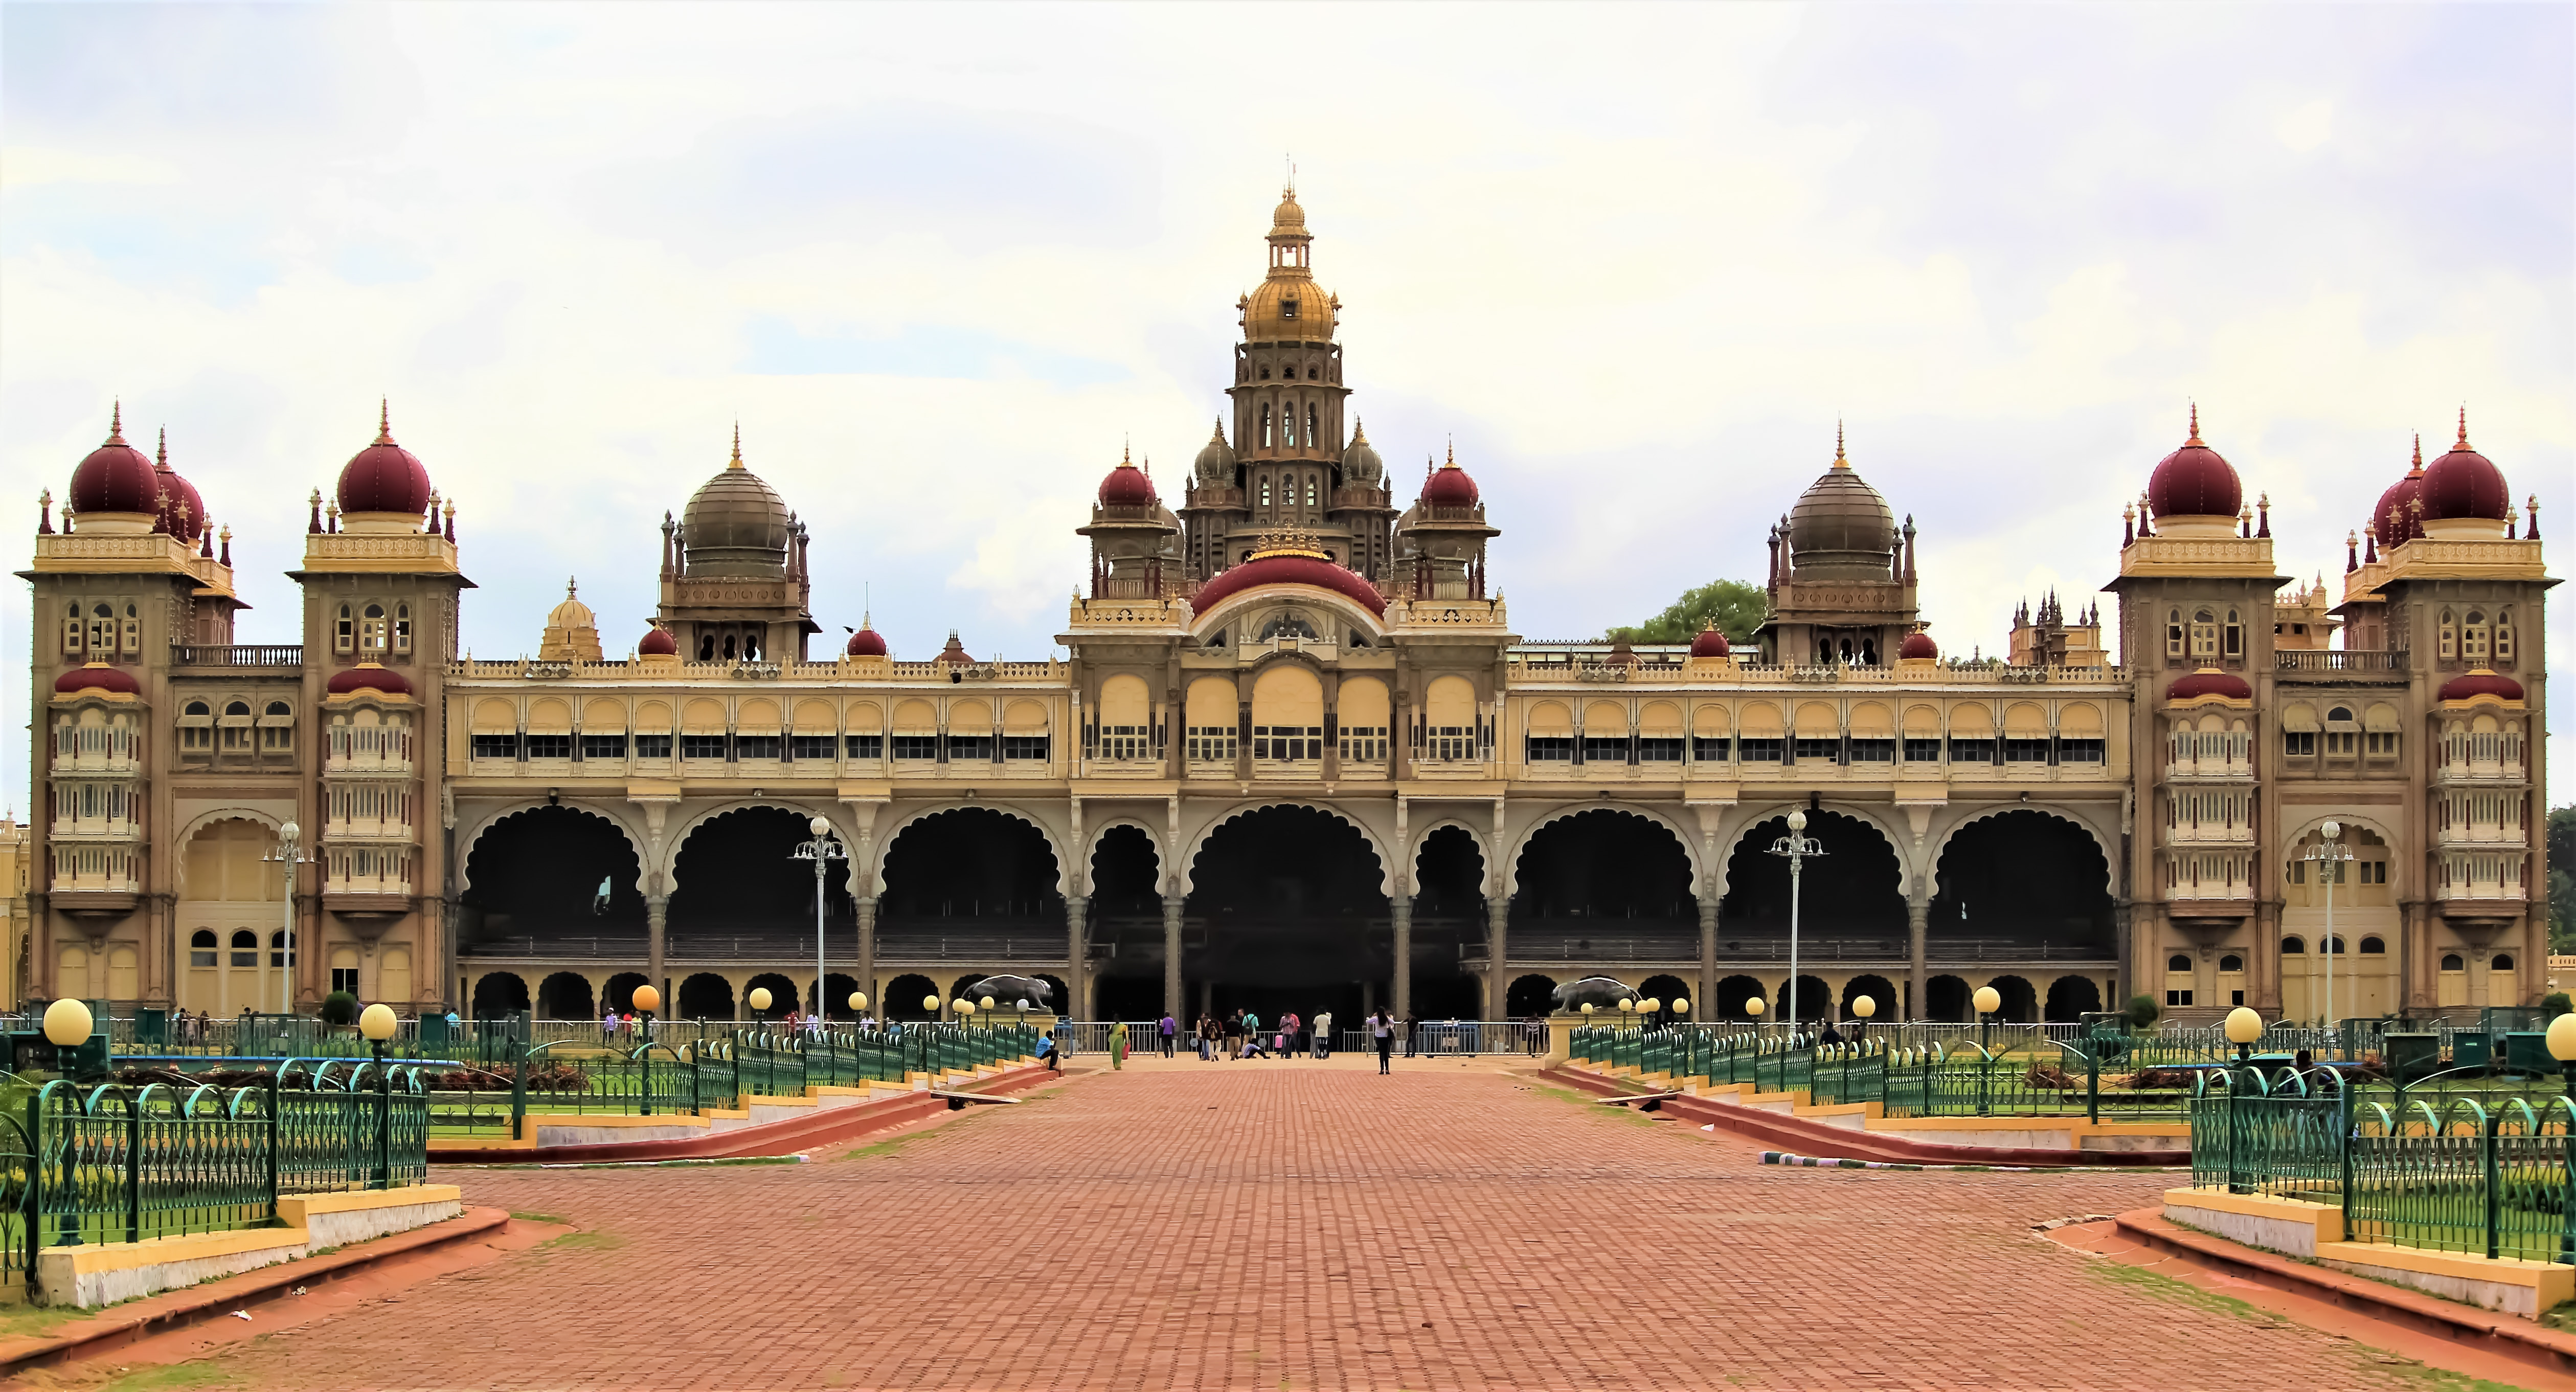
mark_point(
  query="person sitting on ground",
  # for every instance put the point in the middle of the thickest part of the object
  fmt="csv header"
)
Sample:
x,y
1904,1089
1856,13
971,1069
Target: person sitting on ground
x,y
1251,1035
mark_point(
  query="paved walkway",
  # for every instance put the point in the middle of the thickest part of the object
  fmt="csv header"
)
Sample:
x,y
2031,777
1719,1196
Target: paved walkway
x,y
1279,1227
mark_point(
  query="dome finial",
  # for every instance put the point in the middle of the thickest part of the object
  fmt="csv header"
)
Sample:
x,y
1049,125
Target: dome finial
x,y
2419,455
1839,461
384,420
161,456
572,587
2464,427
736,461
115,424
2195,426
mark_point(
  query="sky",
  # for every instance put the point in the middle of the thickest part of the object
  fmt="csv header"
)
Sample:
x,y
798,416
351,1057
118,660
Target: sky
x,y
942,263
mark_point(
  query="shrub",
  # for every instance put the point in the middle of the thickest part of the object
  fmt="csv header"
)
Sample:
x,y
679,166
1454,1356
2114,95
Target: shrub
x,y
2143,1011
2556,1004
340,1008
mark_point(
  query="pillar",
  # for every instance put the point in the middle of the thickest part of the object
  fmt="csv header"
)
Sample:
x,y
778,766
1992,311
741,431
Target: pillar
x,y
865,972
1918,932
657,916
1172,956
1402,908
1498,973
1707,995
1074,908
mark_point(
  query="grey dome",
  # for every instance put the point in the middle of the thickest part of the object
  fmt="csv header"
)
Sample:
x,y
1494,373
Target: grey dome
x,y
1361,468
1841,527
1216,459
736,524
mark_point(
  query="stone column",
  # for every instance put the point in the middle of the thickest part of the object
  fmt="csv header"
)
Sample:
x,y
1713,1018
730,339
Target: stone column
x,y
1498,913
657,915
1078,1002
1401,906
1918,931
866,969
1172,1002
1707,997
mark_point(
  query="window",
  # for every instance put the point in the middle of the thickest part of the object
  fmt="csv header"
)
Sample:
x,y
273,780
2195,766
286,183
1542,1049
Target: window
x,y
344,634
1363,744
2204,635
2502,961
196,727
2372,871
1310,478
201,948
2231,963
236,725
1553,749
245,949
345,979
277,948
2451,962
965,749
132,641
1828,750
757,746
371,629
549,746
1212,744
916,746
1873,751
2299,743
1760,751
1265,439
1310,439
2026,751
2373,947
72,644
1659,750
1605,749
705,747
1972,751
2473,639
2178,988
496,746
102,631
864,746
1125,742
2379,744
1024,747
2503,636
2081,751
652,746
1281,743
603,746
812,746
1457,743
2448,636
1707,750
402,628
2235,644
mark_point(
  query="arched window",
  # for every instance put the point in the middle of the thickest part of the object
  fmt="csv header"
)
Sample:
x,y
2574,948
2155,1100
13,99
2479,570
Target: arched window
x,y
102,631
371,629
2451,962
706,647
1313,489
1265,376
2504,636
2235,636
1265,417
245,948
1288,425
1265,483
344,636
133,638
2374,947
402,628
2178,962
2294,947
2448,639
2204,635
2502,961
1312,435
277,945
2231,963
201,948
2173,633
2473,639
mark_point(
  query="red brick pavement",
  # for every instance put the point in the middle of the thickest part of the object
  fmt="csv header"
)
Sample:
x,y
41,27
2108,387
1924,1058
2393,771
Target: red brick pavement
x,y
1282,1227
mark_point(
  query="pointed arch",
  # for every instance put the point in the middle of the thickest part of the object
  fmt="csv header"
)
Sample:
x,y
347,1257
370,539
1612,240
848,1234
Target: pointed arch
x,y
1520,845
1387,860
886,838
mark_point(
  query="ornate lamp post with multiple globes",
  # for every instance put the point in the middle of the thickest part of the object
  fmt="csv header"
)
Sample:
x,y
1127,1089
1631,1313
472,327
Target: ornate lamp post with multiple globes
x,y
287,855
822,850
2328,855
1797,846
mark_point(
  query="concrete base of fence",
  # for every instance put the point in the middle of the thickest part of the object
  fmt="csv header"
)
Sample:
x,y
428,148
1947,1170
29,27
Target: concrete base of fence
x,y
2315,1231
103,1273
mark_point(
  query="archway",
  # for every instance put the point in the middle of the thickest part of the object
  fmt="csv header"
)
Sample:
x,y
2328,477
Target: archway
x,y
1886,1001
1815,1000
1946,998
1294,914
834,999
2020,1004
738,890
565,996
1667,989
706,996
1530,995
1732,995
1600,875
2070,998
2018,880
1125,927
782,995
904,995
969,871
534,876
1448,925
1853,897
620,995
499,994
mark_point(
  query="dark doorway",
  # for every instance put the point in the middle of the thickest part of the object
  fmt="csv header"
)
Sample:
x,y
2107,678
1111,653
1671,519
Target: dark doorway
x,y
1289,913
782,997
738,890
1604,884
1886,1003
2021,881
904,996
2020,1005
533,877
621,992
1946,998
1733,995
2070,998
499,995
1531,995
565,996
706,996
1125,930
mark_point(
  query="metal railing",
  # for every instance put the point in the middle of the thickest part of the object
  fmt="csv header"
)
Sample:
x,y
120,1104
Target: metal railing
x,y
238,654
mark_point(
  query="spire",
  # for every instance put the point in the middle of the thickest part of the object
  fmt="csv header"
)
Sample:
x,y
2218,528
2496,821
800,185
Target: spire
x,y
1359,432
2464,427
227,560
384,420
572,587
1839,461
1217,435
116,424
2195,426
2418,470
736,461
161,456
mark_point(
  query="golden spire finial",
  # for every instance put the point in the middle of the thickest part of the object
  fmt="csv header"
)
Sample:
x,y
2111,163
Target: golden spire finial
x,y
116,423
2464,427
161,456
384,420
572,587
2195,426
1359,431
2419,454
1217,435
1839,461
1453,453
736,461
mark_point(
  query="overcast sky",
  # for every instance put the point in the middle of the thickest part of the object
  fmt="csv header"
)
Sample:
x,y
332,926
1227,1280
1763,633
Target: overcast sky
x,y
940,262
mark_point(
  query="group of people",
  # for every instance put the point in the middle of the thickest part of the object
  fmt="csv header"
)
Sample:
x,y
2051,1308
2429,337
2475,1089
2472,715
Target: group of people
x,y
1243,1036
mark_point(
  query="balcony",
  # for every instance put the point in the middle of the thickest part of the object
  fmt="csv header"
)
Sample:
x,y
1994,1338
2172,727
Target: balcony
x,y
238,655
2343,661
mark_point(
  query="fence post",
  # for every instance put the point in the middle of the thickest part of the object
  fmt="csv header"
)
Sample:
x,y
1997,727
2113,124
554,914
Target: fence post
x,y
276,1135
518,1088
384,1176
2093,1088
2487,1163
2234,1184
134,1172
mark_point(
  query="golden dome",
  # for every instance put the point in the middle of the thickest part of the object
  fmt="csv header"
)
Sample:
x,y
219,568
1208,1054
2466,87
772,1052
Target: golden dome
x,y
572,613
1289,217
1289,307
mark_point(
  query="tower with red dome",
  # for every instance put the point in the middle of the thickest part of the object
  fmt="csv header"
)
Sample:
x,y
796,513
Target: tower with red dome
x,y
1135,540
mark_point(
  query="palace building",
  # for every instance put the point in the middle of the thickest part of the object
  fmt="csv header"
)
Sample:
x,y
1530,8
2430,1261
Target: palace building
x,y
1297,758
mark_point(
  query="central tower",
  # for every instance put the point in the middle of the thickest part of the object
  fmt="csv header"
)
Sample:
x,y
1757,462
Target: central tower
x,y
1291,464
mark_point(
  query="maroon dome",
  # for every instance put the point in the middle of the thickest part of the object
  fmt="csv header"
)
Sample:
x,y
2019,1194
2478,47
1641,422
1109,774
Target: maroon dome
x,y
1449,486
384,477
98,676
2481,683
1288,569
658,642
1919,645
867,642
2194,481
2460,484
115,477
1709,643
1127,486
183,513
2209,681
367,676
2394,519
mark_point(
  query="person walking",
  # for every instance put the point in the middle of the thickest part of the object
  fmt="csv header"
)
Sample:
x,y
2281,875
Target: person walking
x,y
1118,1046
1288,1025
1323,1034
1382,1025
1412,1034
608,1025
1165,1029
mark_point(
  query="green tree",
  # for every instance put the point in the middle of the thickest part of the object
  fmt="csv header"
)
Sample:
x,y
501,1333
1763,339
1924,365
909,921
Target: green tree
x,y
339,1008
2562,879
1734,606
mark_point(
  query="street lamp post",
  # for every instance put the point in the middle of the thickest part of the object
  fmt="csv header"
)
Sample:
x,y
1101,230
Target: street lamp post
x,y
2561,1040
822,850
2329,854
1797,846
287,854
1862,1008
2243,1028
377,1023
1988,1000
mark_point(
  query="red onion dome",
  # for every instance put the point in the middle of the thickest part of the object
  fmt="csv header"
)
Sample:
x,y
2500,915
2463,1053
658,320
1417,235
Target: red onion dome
x,y
2481,683
2209,681
1127,486
384,477
658,642
1289,561
1449,485
867,642
2194,481
2394,519
368,676
115,477
97,676
1709,643
183,513
2463,484
1919,645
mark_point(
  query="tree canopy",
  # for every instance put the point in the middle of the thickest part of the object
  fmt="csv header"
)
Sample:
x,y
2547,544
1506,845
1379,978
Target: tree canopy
x,y
1734,606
